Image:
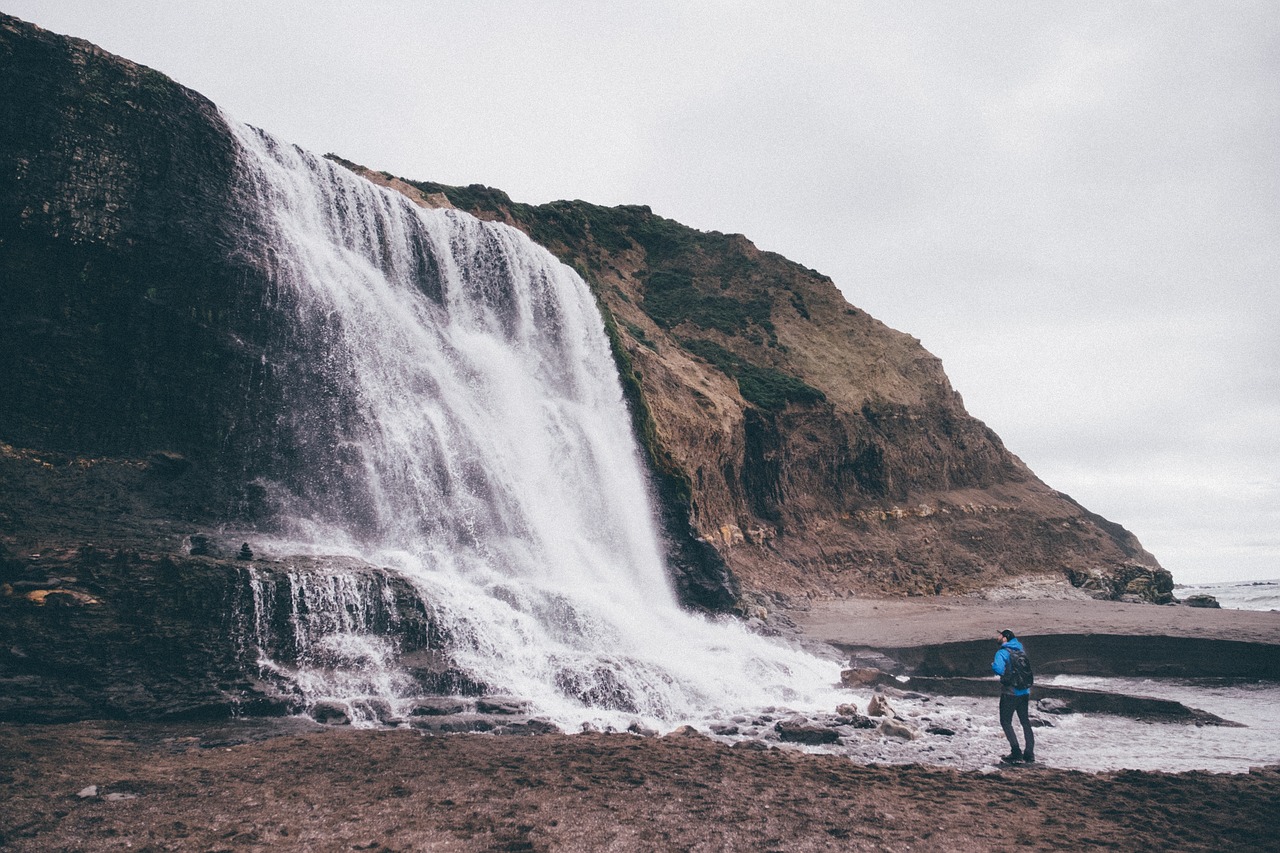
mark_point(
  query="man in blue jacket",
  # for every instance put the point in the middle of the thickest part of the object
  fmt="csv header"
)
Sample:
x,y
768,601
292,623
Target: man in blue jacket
x,y
1014,668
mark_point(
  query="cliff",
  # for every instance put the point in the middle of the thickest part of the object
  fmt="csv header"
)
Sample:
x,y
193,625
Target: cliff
x,y
798,445
820,452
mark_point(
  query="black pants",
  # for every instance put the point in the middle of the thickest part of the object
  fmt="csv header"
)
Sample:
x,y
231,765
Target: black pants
x,y
1008,705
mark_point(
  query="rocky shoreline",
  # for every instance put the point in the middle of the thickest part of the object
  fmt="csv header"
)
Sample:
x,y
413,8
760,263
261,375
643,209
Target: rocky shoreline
x,y
447,780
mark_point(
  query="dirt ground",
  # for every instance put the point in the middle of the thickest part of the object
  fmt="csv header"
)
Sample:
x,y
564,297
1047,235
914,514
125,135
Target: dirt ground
x,y
187,788
288,785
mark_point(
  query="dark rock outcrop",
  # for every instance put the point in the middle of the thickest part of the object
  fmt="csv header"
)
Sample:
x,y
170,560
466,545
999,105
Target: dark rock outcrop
x,y
157,636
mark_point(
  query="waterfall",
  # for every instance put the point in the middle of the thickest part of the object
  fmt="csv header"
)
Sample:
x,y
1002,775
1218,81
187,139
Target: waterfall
x,y
453,415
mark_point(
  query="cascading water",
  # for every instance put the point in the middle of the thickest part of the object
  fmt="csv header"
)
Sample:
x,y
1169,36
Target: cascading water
x,y
454,415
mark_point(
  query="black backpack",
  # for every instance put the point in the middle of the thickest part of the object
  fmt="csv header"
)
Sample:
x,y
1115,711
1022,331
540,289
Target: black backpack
x,y
1017,672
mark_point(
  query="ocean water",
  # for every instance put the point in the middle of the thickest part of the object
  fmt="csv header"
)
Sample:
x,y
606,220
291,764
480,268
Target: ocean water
x,y
1237,595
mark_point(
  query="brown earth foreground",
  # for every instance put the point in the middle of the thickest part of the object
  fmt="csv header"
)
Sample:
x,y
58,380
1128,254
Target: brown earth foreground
x,y
182,788
286,785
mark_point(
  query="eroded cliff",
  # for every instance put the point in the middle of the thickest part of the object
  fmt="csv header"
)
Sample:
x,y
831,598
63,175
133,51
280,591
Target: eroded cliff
x,y
819,451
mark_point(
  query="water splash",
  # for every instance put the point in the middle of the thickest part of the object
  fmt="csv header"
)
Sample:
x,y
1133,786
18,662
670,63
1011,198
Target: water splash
x,y
454,414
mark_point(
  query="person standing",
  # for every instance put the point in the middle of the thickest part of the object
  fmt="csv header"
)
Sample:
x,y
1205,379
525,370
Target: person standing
x,y
1014,668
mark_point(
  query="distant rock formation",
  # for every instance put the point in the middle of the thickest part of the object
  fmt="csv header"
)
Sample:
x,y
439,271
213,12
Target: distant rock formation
x,y
798,445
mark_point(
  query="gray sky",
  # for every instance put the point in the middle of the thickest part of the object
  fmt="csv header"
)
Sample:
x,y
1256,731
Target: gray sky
x,y
1075,205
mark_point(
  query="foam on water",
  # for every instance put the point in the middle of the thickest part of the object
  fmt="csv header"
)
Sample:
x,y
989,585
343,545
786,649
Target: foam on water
x,y
455,407
1237,595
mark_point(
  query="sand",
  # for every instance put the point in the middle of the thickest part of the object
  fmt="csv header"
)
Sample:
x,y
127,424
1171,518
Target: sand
x,y
897,622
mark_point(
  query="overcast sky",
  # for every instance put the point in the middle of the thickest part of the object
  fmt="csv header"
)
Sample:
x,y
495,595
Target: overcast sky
x,y
1075,205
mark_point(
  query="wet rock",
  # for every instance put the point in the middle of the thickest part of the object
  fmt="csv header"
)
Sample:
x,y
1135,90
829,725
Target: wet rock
x,y
751,745
502,705
637,729
685,731
455,724
725,729
1054,706
860,677
203,546
167,464
941,730
1201,600
528,727
893,728
847,709
856,721
879,707
437,707
800,730
330,713
376,709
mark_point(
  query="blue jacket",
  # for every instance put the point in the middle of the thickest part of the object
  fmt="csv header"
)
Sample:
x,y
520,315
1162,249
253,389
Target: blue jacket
x,y
1002,660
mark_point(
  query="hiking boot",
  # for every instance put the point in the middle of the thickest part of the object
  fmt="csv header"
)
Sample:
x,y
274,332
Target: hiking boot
x,y
1012,758
1029,757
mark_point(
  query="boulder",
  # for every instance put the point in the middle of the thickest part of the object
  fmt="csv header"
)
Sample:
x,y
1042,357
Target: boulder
x,y
505,705
1054,706
685,731
893,728
1201,600
527,727
800,730
437,707
847,709
879,707
454,723
330,713
860,677
751,745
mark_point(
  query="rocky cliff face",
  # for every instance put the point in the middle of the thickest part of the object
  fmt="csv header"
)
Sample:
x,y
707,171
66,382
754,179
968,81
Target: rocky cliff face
x,y
798,445
817,450
128,329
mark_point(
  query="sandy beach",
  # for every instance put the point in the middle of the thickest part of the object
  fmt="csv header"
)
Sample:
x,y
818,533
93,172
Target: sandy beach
x,y
896,622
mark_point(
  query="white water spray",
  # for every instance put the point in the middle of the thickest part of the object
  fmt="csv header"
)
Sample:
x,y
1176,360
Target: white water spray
x,y
459,420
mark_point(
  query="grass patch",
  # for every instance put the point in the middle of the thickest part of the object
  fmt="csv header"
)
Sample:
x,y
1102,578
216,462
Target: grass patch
x,y
671,298
763,387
